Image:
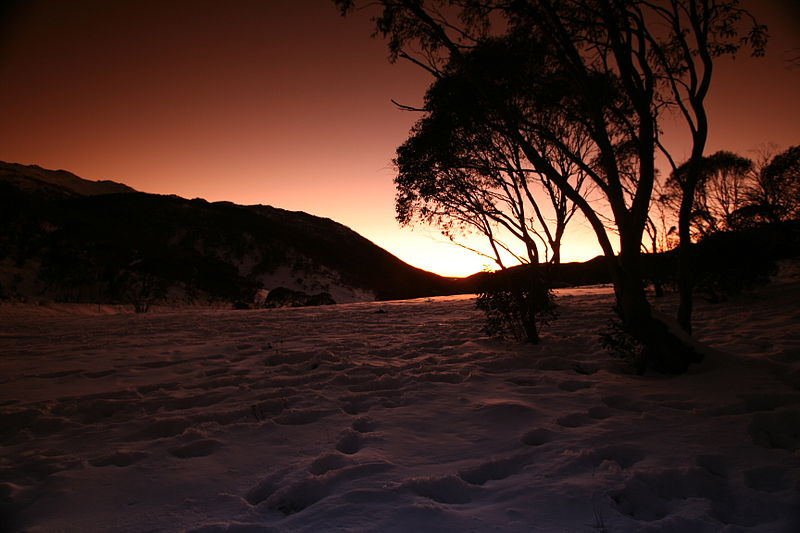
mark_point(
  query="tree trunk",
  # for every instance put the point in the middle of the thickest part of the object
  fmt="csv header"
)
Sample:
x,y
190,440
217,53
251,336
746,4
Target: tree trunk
x,y
658,288
685,279
632,304
530,301
663,350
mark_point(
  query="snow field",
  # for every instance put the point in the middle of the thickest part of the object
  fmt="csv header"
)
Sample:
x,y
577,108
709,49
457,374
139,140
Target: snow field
x,y
395,416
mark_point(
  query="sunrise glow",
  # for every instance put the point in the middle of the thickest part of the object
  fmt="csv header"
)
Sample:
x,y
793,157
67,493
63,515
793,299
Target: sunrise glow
x,y
279,103
256,277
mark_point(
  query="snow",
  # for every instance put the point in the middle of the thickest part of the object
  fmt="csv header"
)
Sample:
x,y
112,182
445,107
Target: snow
x,y
393,417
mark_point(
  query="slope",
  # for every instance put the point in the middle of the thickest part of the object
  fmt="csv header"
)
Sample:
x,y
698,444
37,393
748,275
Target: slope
x,y
68,239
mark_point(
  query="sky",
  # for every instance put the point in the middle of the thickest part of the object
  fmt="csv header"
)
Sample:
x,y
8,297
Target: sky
x,y
284,103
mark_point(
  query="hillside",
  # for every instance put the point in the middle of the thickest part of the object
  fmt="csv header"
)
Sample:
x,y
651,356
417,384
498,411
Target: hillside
x,y
64,238
54,183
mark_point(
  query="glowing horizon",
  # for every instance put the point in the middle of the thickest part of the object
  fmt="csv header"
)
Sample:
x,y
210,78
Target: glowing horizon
x,y
285,104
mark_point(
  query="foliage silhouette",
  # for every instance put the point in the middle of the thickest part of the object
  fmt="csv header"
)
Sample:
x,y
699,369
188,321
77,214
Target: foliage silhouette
x,y
516,302
610,69
720,191
775,195
616,340
456,175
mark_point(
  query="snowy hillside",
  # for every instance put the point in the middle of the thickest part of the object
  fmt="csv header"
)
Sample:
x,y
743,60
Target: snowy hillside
x,y
33,178
394,417
66,239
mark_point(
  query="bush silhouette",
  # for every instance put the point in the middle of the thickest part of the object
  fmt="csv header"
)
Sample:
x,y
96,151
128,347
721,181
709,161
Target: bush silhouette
x,y
516,303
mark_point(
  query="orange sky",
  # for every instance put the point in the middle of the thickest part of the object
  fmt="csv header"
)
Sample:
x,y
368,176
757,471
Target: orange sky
x,y
278,102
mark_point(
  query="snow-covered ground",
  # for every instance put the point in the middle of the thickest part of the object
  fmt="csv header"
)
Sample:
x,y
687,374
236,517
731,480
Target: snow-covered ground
x,y
393,417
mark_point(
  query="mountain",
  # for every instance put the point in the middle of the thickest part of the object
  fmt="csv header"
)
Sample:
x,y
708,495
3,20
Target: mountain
x,y
64,238
56,182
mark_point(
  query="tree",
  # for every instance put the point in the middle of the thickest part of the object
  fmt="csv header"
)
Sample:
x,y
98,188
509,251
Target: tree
x,y
609,69
721,190
458,176
722,180
775,194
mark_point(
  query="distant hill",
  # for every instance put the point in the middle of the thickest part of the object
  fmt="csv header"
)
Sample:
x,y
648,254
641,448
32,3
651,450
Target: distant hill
x,y
64,238
35,179
591,272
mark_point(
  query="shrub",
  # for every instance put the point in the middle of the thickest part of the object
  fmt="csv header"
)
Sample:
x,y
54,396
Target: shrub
x,y
138,288
517,304
616,340
728,263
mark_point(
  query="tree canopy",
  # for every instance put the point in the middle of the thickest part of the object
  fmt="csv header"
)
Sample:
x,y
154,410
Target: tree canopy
x,y
776,193
603,71
721,190
456,173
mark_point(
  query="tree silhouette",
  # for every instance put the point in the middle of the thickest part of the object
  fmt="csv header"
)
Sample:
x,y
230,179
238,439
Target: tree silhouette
x,y
720,191
463,178
610,69
775,194
458,175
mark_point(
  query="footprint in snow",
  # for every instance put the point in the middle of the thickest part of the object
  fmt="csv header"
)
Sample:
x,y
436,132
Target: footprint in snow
x,y
503,411
118,458
575,420
98,374
382,383
493,470
768,478
299,417
299,495
719,465
264,489
623,455
555,363
354,404
349,442
363,424
599,412
538,436
356,407
768,401
232,528
447,489
623,403
327,462
296,497
656,494
199,448
778,429
167,427
573,385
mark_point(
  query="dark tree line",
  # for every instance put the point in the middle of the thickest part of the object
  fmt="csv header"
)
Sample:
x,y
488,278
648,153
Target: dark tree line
x,y
734,192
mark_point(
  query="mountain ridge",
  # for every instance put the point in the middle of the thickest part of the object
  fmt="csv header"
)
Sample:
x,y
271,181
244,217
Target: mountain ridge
x,y
60,179
69,239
